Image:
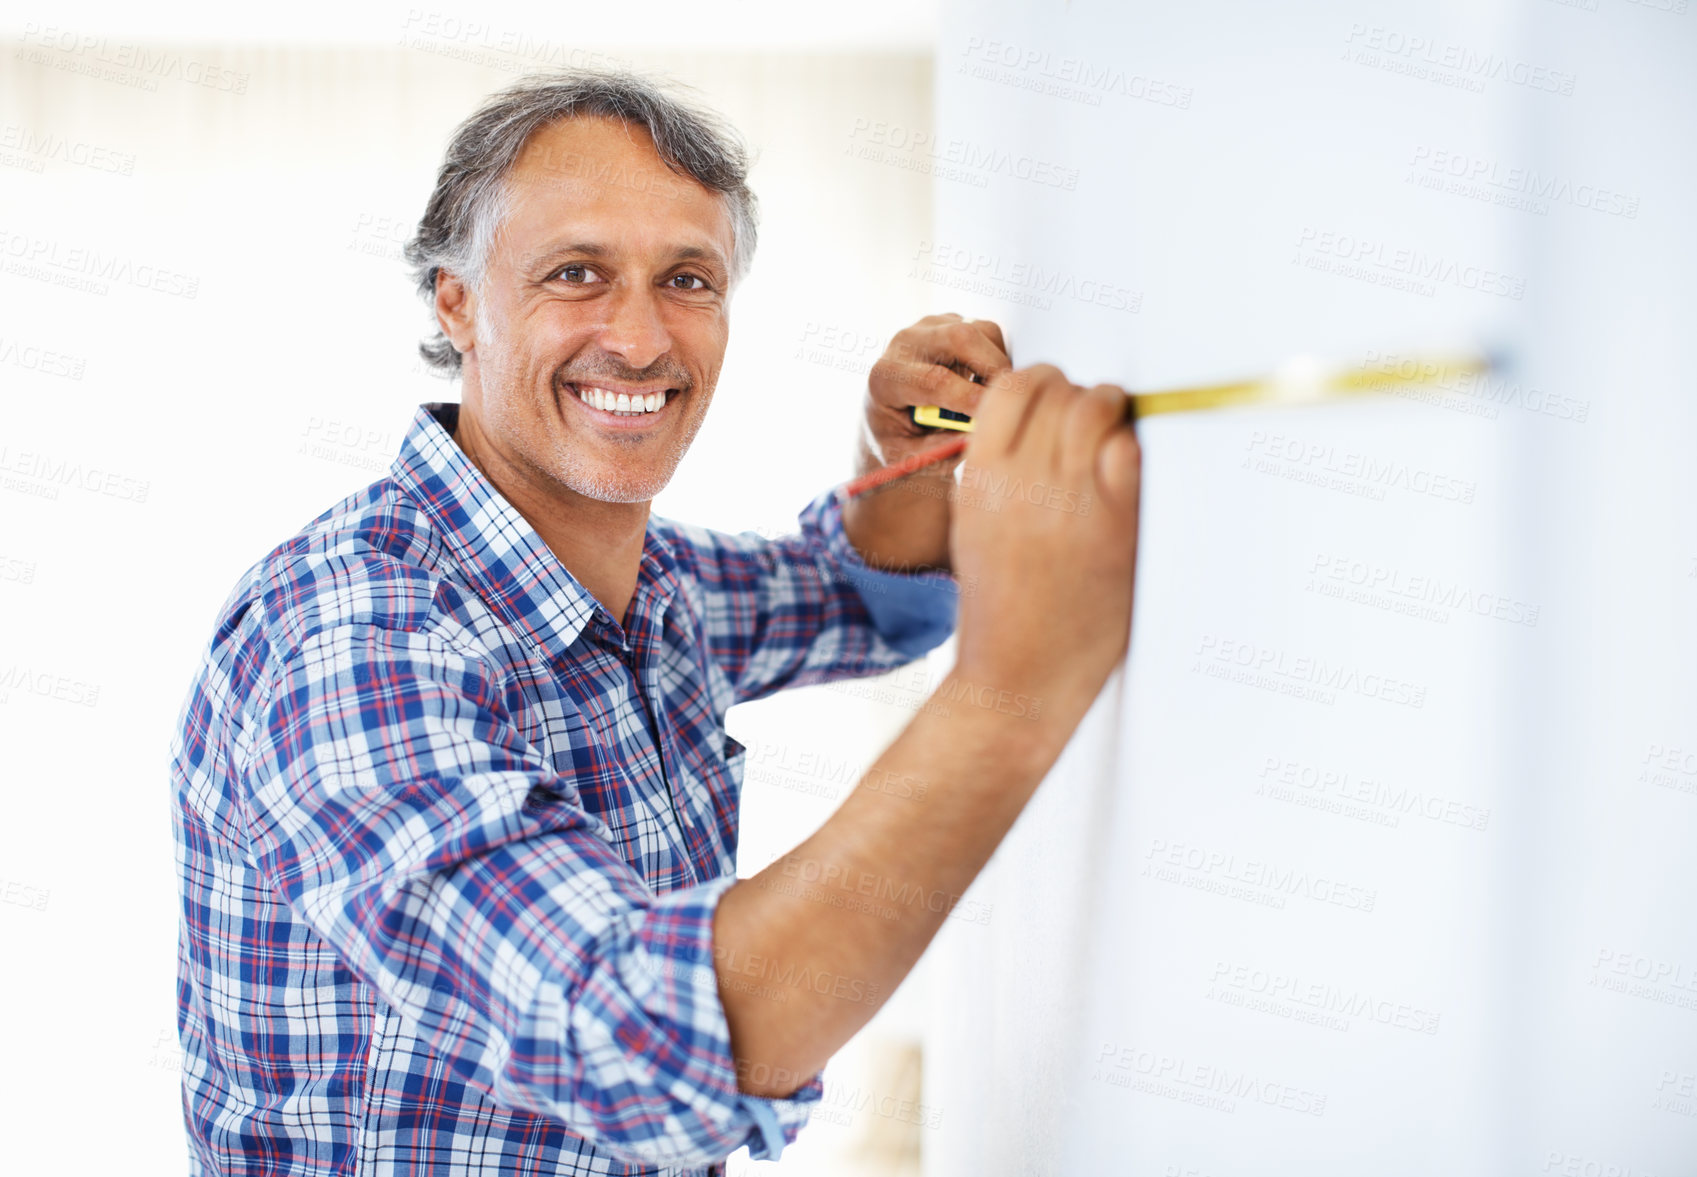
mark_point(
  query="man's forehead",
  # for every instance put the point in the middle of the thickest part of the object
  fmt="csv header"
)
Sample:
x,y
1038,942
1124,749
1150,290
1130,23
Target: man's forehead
x,y
605,170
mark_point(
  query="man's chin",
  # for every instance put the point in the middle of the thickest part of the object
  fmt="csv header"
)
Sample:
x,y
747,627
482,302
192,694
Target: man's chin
x,y
614,486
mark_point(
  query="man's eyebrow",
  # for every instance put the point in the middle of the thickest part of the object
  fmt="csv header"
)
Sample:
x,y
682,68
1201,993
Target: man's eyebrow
x,y
697,253
574,249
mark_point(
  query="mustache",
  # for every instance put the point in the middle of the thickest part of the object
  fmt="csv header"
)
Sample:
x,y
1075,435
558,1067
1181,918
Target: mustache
x,y
605,368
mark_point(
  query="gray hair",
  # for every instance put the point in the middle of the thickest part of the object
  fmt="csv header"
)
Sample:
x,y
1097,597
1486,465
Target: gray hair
x,y
471,197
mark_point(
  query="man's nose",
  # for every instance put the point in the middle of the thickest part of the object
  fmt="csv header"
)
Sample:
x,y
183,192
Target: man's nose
x,y
635,330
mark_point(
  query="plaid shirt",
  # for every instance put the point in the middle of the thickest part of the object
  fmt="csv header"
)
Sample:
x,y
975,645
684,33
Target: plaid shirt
x,y
450,837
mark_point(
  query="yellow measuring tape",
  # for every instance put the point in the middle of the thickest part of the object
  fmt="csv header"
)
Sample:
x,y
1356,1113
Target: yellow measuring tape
x,y
1301,381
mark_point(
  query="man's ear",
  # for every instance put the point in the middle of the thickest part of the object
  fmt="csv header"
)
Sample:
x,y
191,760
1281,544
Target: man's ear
x,y
456,311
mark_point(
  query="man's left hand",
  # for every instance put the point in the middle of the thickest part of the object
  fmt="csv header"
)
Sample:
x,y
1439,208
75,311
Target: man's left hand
x,y
942,360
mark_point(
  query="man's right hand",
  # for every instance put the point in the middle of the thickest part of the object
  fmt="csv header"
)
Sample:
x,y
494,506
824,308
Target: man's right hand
x,y
1044,537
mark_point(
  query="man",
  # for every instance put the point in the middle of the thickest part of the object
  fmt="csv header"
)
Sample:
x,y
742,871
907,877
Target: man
x,y
456,812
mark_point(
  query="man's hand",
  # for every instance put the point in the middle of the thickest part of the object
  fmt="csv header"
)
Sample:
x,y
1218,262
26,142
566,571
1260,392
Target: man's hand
x,y
1045,528
932,362
940,360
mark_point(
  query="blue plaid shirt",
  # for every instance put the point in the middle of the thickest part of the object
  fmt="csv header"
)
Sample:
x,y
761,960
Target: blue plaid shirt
x,y
451,837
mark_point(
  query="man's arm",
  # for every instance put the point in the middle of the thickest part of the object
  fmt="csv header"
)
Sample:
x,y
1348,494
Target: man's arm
x,y
941,360
1048,620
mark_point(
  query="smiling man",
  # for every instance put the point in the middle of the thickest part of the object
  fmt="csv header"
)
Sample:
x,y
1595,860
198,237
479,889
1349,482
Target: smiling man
x,y
456,812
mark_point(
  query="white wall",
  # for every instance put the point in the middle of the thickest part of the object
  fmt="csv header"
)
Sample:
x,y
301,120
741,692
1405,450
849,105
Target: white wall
x,y
1212,848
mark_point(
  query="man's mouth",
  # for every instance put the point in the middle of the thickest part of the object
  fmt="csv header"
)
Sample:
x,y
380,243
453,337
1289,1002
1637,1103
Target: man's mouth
x,y
622,402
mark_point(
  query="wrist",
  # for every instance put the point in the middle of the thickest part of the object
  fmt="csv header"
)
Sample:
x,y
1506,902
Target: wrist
x,y
895,529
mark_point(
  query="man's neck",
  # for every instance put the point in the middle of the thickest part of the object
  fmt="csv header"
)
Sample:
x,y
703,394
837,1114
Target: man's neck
x,y
599,543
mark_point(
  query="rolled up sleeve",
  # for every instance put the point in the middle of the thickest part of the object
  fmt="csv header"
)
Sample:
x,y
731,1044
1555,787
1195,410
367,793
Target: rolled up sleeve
x,y
393,804
913,612
805,608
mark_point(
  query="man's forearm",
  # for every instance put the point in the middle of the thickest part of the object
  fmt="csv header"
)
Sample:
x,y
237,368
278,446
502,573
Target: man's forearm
x,y
810,947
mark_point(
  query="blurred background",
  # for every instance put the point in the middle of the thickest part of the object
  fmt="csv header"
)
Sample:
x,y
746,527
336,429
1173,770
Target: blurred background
x,y
1268,915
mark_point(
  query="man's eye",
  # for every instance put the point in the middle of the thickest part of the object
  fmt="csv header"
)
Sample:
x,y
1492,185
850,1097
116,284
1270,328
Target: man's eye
x,y
682,282
577,274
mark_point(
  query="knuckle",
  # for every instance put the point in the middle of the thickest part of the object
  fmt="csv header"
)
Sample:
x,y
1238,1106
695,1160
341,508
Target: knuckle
x,y
1090,411
1040,377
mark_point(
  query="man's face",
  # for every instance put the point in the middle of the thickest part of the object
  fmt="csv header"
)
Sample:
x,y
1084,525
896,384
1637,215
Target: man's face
x,y
609,277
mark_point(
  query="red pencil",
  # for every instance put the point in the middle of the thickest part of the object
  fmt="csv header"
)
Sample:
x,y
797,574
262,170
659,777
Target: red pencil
x,y
924,458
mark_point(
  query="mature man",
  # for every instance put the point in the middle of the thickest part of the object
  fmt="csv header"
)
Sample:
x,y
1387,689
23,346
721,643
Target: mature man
x,y
456,812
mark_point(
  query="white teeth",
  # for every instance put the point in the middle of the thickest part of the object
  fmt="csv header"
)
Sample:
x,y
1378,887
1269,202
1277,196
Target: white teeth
x,y
621,402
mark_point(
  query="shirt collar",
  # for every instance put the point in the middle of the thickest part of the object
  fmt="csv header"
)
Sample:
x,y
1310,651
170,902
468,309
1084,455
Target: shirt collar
x,y
497,547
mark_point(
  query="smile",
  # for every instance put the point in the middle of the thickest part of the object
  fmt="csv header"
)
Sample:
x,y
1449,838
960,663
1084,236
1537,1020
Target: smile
x,y
622,404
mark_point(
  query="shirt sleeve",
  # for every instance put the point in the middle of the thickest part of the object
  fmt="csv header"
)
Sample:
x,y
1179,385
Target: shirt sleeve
x,y
394,805
805,608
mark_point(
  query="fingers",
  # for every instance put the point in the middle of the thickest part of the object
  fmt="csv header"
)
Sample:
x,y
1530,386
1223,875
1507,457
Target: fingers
x,y
898,384
1053,397
972,347
1007,403
970,344
1119,468
991,332
1082,434
1091,416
